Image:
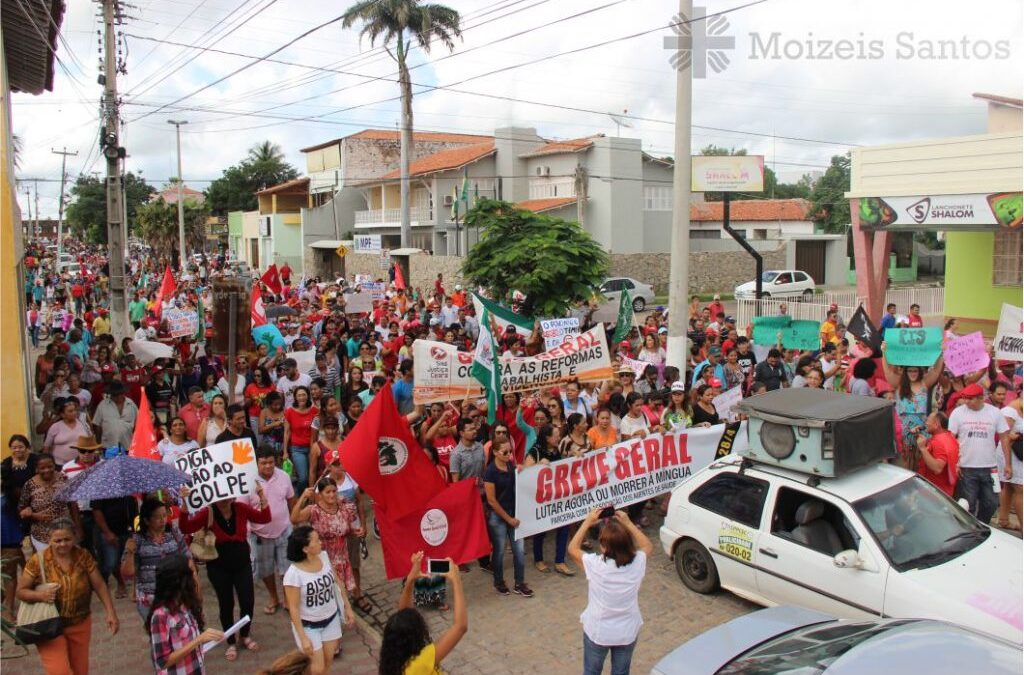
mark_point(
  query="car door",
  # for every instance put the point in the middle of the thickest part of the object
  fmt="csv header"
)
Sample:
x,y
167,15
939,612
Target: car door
x,y
612,289
783,284
727,518
795,563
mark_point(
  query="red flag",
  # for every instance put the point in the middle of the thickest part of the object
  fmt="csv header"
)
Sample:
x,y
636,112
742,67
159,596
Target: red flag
x,y
144,438
384,458
167,288
272,279
256,311
451,525
399,279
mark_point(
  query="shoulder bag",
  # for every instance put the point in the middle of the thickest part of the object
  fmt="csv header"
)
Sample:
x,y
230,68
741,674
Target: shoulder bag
x,y
39,621
204,542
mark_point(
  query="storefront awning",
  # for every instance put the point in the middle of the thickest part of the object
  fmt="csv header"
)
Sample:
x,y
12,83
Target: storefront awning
x,y
330,243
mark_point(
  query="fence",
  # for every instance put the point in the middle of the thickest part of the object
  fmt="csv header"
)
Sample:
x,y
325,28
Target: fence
x,y
931,300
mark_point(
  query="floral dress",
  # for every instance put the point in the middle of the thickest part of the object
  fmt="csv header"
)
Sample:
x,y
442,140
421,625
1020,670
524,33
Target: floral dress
x,y
333,529
912,413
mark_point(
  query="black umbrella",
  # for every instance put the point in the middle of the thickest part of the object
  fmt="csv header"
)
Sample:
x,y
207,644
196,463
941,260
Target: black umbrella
x,y
275,311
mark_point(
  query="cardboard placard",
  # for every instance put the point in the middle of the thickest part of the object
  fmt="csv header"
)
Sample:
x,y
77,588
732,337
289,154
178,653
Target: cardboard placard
x,y
222,471
1009,341
556,331
913,346
966,354
181,322
725,401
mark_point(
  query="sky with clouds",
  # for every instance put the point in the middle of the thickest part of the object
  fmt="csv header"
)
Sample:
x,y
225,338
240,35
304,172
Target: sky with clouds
x,y
849,72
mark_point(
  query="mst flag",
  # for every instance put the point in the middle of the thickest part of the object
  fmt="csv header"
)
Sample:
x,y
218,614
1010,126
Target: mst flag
x,y
486,367
272,279
256,311
861,327
384,458
166,291
449,525
625,319
503,317
144,437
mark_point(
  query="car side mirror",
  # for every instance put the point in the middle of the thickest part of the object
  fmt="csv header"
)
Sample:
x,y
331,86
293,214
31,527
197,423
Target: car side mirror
x,y
847,559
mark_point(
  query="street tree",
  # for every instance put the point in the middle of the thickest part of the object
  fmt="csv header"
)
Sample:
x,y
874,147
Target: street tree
x,y
86,215
236,189
554,262
402,22
829,207
157,224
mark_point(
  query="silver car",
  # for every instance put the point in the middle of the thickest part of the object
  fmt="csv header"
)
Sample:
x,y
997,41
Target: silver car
x,y
641,294
796,640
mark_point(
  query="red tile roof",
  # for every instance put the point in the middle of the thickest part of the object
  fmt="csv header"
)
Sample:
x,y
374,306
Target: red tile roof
x,y
538,205
752,210
558,147
446,160
298,186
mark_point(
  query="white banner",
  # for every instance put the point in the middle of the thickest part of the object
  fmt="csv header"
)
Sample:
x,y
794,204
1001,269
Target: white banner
x,y
222,471
367,242
556,331
442,373
1009,341
564,492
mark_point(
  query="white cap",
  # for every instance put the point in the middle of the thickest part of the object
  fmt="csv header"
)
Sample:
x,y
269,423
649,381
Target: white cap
x,y
458,287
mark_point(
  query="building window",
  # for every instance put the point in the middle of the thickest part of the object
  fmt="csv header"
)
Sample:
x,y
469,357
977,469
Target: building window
x,y
1007,258
546,188
657,198
705,234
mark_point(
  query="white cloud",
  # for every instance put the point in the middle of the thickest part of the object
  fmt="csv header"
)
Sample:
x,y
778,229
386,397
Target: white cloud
x,y
854,101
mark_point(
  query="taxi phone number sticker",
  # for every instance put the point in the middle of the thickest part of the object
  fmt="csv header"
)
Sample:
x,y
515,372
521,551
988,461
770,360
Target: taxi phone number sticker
x,y
735,541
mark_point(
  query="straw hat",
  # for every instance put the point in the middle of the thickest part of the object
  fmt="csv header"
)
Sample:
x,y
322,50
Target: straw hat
x,y
87,443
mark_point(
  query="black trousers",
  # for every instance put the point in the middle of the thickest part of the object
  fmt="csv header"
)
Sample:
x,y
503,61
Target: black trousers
x,y
231,574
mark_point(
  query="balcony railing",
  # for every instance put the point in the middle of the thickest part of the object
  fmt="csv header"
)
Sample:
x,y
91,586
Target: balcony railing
x,y
376,216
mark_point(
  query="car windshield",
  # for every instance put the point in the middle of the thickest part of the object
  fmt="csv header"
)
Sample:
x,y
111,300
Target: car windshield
x,y
918,525
808,650
768,276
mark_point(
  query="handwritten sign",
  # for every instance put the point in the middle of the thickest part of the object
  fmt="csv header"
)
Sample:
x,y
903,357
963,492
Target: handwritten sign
x,y
725,401
1010,335
966,354
804,335
222,471
913,346
181,322
358,303
556,331
636,366
767,328
376,290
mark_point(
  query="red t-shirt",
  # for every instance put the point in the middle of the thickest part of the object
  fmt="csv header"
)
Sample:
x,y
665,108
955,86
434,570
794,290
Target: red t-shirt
x,y
300,425
942,446
914,321
132,379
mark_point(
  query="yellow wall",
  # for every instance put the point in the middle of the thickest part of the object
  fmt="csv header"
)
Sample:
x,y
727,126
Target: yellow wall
x,y
14,403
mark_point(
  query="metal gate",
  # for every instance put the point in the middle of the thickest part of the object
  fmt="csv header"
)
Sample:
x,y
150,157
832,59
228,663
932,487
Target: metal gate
x,y
810,257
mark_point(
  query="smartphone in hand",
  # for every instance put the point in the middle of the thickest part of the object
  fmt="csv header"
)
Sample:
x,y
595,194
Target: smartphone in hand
x,y
608,511
438,566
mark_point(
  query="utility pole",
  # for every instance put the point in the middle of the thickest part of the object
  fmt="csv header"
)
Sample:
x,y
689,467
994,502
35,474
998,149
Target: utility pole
x,y
181,197
114,153
60,207
35,185
679,273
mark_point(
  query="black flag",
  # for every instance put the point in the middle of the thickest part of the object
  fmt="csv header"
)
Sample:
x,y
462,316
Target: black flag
x,y
860,326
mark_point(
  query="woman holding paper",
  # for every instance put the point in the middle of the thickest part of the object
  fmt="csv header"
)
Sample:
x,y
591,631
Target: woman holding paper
x,y
175,623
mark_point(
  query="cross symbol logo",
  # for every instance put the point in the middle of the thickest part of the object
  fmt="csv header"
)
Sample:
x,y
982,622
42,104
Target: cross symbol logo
x,y
700,41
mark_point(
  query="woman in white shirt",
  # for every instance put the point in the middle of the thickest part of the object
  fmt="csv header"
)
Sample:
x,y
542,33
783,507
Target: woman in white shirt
x,y
177,442
316,604
611,620
211,427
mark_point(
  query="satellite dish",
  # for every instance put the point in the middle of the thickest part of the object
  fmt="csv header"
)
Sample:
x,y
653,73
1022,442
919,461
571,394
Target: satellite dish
x,y
621,121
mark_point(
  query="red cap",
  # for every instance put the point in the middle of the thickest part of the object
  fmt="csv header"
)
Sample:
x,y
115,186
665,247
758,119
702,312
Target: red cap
x,y
715,382
972,391
624,343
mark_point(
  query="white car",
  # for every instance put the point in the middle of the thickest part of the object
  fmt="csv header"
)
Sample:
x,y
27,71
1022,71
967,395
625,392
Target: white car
x,y
640,293
878,542
779,284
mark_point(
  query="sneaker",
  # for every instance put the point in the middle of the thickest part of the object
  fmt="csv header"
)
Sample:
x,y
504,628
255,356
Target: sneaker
x,y
523,590
502,588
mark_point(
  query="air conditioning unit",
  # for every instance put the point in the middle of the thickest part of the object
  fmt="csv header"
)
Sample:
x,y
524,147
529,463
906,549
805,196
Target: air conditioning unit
x,y
816,432
543,170
448,199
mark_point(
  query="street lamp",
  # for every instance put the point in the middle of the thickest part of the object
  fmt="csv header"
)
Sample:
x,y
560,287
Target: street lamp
x,y
181,199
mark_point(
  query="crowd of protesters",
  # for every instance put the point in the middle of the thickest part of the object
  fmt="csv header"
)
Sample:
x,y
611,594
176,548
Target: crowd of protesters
x,y
309,519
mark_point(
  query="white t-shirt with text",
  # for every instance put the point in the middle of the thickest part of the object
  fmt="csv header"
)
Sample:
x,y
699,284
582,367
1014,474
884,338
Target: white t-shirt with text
x,y
976,431
316,590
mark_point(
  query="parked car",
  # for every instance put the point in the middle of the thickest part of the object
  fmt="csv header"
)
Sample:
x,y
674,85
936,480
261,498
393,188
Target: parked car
x,y
642,294
797,640
878,542
779,284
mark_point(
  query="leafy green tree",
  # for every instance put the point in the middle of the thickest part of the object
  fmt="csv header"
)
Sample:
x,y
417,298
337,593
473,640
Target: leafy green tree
x,y
402,22
552,261
86,215
236,189
157,224
829,207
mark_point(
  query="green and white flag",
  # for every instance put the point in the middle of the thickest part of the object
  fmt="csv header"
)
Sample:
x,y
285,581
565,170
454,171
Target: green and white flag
x,y
626,318
486,368
201,328
502,317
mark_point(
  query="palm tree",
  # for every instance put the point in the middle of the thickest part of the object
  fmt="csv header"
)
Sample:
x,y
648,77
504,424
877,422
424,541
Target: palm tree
x,y
402,22
266,152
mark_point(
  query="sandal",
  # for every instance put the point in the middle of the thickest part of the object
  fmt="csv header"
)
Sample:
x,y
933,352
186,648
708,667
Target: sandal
x,y
231,653
542,566
250,644
363,604
272,609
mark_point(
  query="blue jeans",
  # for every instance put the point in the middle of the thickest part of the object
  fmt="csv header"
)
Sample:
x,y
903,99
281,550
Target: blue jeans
x,y
976,487
594,655
34,331
561,542
110,554
300,460
501,532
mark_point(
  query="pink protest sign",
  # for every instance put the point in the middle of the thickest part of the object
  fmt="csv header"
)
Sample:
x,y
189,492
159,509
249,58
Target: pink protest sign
x,y
966,354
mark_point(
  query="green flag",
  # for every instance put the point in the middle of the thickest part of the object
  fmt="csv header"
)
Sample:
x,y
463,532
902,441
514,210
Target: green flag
x,y
625,319
465,187
502,317
486,368
455,202
201,328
